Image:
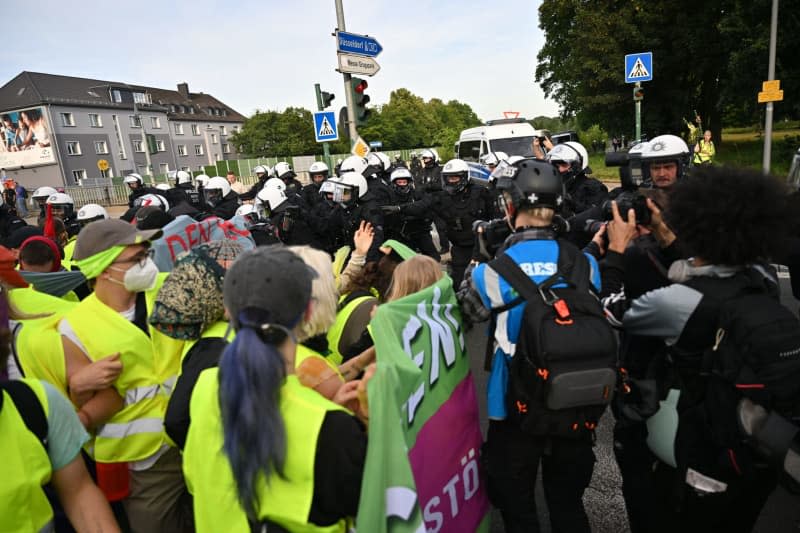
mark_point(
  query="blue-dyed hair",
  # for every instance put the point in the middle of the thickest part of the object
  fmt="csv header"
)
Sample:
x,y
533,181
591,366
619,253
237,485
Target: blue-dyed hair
x,y
251,372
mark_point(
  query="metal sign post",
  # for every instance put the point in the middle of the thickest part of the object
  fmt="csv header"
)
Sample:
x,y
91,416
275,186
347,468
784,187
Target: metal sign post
x,y
773,35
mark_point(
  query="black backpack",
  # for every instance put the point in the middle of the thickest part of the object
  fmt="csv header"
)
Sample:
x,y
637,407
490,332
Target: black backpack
x,y
756,355
564,370
29,407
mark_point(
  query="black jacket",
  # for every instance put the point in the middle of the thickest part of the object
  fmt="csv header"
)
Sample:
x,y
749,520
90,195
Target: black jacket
x,y
460,210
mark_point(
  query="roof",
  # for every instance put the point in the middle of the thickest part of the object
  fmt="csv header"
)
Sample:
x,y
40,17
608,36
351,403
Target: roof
x,y
34,88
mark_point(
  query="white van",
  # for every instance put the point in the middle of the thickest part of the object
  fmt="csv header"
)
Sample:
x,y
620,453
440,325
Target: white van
x,y
514,136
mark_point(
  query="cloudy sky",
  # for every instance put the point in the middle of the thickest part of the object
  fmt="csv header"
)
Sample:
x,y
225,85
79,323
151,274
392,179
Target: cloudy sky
x,y
267,54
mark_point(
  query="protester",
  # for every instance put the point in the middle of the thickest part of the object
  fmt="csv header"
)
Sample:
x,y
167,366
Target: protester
x,y
237,186
704,150
289,458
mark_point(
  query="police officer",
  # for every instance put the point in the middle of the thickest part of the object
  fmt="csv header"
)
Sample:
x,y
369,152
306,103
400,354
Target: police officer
x,y
408,218
430,181
9,222
262,231
284,172
288,220
572,161
357,204
532,192
64,209
40,196
221,201
262,173
458,205
318,172
135,183
378,172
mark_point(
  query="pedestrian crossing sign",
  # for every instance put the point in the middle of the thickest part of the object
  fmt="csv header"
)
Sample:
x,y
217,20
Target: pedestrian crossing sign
x,y
325,126
638,67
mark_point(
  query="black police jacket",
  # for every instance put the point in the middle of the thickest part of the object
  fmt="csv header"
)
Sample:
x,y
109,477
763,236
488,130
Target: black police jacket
x,y
460,210
583,193
431,178
310,194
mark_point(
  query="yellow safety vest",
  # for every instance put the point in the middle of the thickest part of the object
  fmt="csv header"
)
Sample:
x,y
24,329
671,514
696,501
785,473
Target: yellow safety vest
x,y
217,329
336,330
66,261
137,430
32,302
706,153
37,345
304,352
285,501
26,469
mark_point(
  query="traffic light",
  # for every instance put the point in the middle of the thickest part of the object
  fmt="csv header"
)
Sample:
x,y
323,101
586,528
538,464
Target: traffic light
x,y
638,94
326,99
360,100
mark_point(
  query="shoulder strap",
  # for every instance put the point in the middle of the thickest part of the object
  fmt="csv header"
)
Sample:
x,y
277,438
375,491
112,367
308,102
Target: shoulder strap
x,y
516,277
29,407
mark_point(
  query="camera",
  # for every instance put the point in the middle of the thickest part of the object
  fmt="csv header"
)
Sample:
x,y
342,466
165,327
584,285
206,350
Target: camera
x,y
631,172
627,200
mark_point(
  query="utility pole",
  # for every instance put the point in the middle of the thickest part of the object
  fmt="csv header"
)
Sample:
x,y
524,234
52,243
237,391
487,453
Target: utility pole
x,y
320,107
351,116
773,37
637,90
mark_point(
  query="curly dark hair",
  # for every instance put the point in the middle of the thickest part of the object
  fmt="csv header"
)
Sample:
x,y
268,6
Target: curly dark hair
x,y
730,216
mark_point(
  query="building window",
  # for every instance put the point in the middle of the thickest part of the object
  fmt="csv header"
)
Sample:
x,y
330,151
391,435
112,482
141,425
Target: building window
x,y
198,149
186,169
213,138
171,108
235,129
106,173
100,147
195,129
142,169
160,146
95,121
155,122
67,119
137,146
79,175
223,130
182,150
163,168
116,95
178,128
136,121
142,98
191,110
73,148
226,148
224,112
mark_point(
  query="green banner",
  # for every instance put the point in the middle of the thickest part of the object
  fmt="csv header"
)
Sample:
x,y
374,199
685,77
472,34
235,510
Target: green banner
x,y
422,469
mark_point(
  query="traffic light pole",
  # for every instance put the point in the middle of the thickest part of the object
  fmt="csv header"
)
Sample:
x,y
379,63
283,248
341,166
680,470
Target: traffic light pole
x,y
325,148
638,116
766,163
351,115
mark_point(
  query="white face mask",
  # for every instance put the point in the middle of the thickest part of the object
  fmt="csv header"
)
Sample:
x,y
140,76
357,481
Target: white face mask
x,y
138,278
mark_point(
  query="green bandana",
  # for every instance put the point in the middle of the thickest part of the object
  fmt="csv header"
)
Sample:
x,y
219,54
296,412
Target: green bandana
x,y
94,265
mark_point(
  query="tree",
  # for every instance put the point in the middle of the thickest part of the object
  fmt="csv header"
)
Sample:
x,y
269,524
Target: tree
x,y
272,134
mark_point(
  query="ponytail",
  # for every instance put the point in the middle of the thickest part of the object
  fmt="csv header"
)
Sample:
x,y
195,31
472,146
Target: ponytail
x,y
251,372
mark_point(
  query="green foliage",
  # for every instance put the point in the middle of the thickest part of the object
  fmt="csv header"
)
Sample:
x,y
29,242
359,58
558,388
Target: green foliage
x,y
274,133
593,134
554,124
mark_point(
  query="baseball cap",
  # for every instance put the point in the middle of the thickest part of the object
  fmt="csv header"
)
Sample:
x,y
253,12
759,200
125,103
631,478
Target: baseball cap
x,y
8,273
272,279
105,234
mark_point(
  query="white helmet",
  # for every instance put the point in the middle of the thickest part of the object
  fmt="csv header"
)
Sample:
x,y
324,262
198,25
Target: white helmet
x,y
328,186
402,173
182,177
455,167
216,190
154,200
270,199
353,163
493,158
429,153
379,160
284,171
355,182
163,187
133,178
43,193
60,198
666,148
250,212
274,183
572,153
202,179
91,212
262,169
318,168
514,159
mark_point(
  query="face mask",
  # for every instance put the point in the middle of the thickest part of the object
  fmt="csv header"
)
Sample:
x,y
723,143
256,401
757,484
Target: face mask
x,y
139,278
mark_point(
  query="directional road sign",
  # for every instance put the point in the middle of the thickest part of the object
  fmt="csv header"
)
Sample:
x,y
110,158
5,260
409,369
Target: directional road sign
x,y
353,64
360,148
325,126
639,67
353,43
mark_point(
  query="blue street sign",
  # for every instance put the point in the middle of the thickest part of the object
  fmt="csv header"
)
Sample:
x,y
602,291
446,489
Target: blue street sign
x,y
376,144
638,67
353,43
325,126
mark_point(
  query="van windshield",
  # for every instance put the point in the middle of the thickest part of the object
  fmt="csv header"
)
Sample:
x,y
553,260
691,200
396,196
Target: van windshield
x,y
513,146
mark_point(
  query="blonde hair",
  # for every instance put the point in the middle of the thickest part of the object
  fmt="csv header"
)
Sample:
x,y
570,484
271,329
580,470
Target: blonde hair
x,y
412,275
323,293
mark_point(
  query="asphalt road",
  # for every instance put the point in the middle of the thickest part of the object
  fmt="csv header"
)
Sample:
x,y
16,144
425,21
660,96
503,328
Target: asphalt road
x,y
603,499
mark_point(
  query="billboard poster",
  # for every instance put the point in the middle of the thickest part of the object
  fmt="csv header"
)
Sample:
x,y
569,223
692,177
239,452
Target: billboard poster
x,y
25,139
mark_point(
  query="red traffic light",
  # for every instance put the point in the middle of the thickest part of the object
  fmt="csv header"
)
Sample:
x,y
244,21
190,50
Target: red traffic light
x,y
360,86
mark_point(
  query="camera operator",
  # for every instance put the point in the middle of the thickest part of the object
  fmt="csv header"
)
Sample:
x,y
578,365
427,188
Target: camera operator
x,y
541,146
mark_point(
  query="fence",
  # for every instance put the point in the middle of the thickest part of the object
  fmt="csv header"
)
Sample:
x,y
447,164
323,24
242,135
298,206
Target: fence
x,y
113,191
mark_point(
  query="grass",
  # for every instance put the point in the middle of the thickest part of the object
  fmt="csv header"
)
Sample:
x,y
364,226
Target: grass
x,y
739,148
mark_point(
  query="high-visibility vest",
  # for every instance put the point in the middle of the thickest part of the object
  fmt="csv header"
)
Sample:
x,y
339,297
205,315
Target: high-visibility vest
x,y
38,348
217,329
339,323
29,301
69,248
137,430
26,469
304,352
706,153
286,501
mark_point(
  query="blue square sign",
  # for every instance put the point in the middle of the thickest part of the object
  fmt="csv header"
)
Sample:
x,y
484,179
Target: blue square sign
x,y
325,126
638,67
